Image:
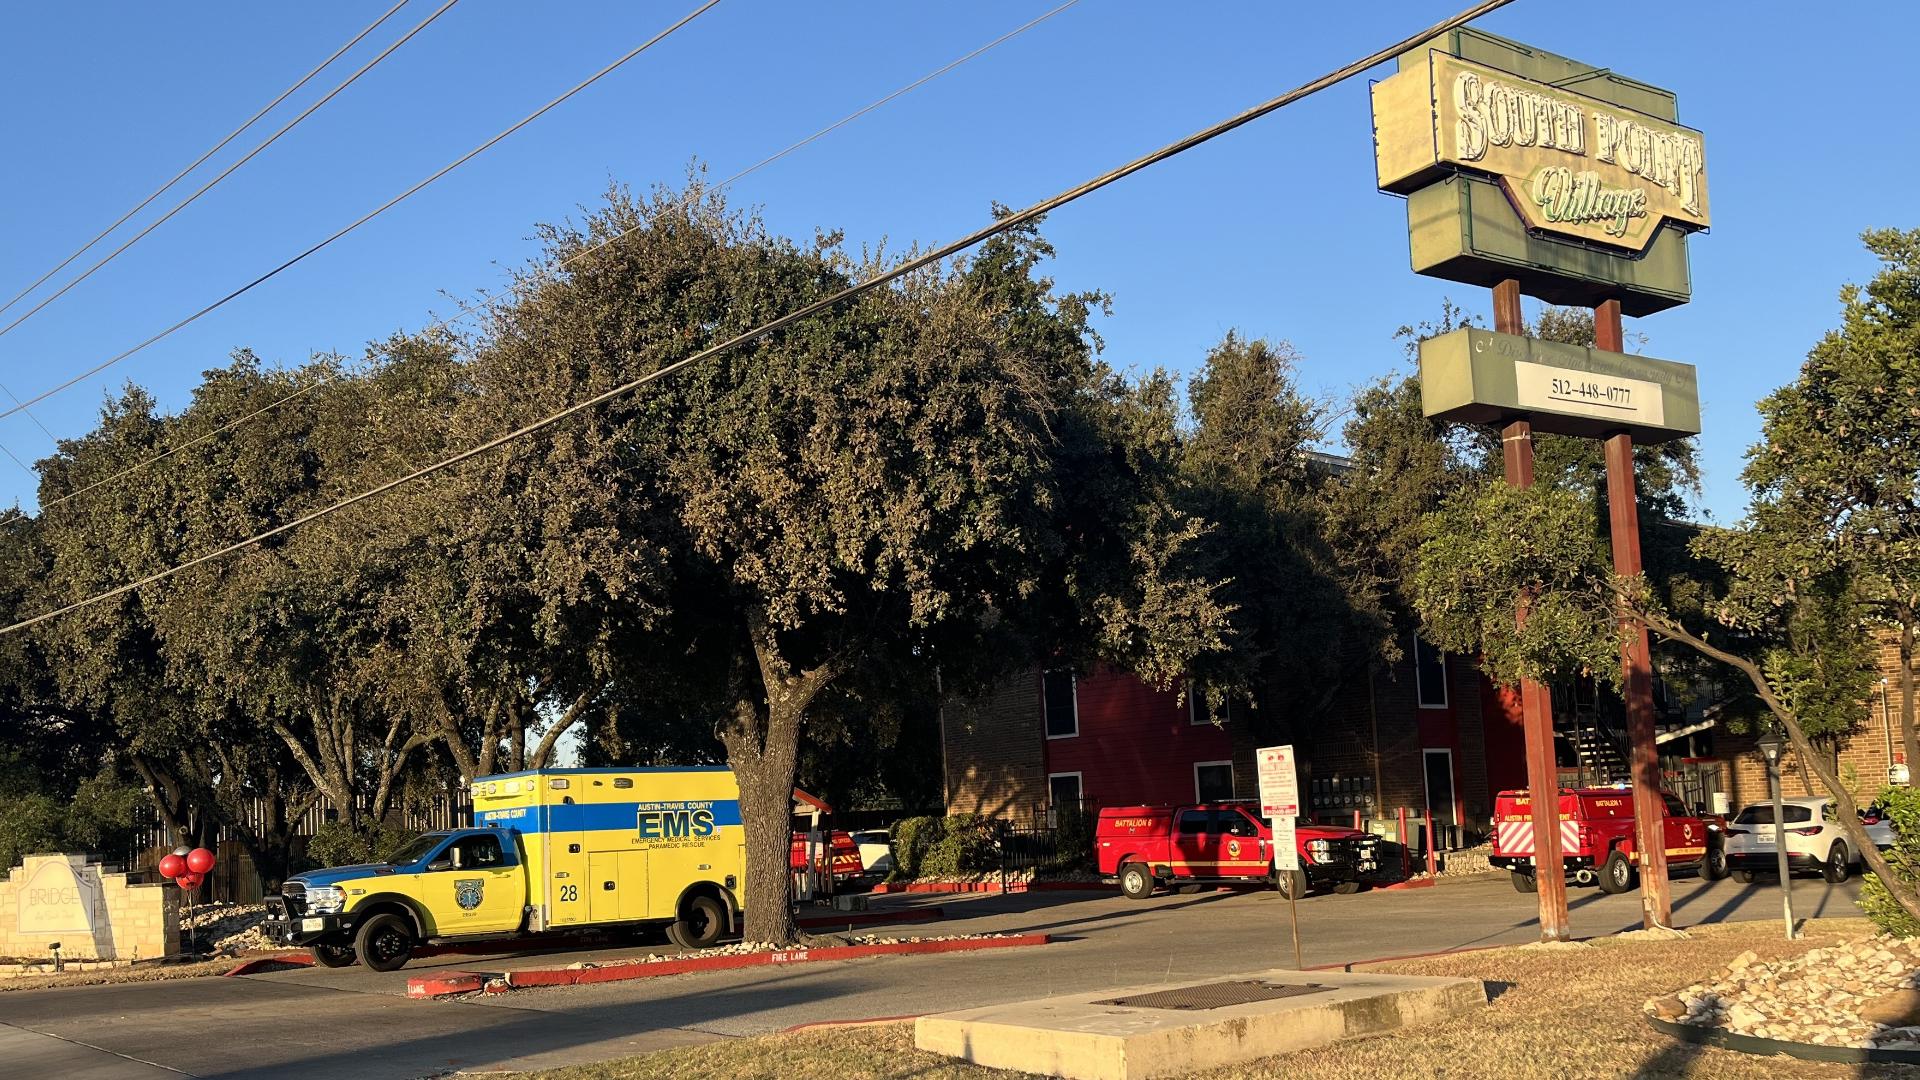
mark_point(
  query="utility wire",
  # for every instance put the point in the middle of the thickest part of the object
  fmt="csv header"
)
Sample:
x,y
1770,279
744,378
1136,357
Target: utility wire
x,y
1003,224
226,172
202,159
364,218
522,286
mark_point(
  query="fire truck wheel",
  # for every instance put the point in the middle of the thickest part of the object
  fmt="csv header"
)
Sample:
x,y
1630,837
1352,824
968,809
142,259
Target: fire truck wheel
x,y
1136,881
1524,882
384,943
333,956
1291,883
1838,869
1744,877
1616,874
1347,888
700,925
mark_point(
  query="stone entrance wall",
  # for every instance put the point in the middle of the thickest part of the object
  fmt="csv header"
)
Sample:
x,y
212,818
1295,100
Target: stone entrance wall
x,y
66,899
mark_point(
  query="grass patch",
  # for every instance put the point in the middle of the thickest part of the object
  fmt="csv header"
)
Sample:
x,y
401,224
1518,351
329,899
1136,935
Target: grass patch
x,y
138,973
1561,1014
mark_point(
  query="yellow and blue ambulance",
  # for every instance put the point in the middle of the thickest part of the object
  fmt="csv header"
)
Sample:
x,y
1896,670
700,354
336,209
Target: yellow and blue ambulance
x,y
550,849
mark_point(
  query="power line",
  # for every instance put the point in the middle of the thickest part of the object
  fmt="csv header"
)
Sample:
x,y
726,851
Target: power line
x,y
226,172
368,216
920,262
519,287
202,159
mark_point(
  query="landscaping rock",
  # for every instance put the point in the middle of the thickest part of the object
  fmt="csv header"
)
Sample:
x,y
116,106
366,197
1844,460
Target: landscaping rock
x,y
1860,993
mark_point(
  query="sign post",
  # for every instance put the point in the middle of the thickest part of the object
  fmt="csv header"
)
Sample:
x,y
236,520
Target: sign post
x,y
1280,805
1530,172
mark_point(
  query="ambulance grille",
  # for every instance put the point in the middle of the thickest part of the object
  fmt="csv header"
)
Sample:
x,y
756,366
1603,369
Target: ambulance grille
x,y
1217,995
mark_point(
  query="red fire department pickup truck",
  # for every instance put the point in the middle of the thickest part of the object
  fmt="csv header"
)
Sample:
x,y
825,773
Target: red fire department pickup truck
x,y
1597,838
1145,846
841,854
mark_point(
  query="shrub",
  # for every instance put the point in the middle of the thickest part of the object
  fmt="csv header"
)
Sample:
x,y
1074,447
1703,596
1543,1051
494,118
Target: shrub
x,y
1073,839
966,847
1903,806
912,838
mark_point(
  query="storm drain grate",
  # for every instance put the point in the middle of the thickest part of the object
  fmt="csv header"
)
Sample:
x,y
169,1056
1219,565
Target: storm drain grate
x,y
1218,995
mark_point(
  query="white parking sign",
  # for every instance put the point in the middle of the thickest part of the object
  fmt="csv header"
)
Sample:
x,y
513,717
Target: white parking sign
x,y
1280,801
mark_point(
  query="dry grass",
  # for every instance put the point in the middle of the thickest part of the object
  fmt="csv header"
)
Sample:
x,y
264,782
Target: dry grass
x,y
1560,1014
138,973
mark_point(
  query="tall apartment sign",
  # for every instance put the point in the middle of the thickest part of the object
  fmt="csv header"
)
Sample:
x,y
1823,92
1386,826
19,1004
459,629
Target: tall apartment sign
x,y
1573,166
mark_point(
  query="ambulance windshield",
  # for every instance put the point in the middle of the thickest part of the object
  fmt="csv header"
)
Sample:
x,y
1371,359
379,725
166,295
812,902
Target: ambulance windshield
x,y
418,849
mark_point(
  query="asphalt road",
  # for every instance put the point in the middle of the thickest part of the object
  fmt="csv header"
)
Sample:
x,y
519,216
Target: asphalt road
x,y
349,1022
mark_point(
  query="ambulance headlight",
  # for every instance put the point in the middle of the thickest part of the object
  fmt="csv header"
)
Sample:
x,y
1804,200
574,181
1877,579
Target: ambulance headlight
x,y
326,900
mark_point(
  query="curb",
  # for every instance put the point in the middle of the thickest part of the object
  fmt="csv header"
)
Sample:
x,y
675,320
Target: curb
x,y
465,982
1754,1044
870,918
446,984
871,1021
956,887
268,963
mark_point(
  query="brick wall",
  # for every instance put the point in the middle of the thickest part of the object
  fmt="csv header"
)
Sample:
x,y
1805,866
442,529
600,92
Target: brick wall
x,y
91,914
994,760
1861,758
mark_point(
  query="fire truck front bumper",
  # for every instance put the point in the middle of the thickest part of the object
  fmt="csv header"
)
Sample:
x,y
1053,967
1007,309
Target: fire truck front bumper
x,y
1524,863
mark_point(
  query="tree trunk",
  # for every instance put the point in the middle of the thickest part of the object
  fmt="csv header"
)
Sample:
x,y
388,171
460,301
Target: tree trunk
x,y
1909,739
1902,890
762,739
764,768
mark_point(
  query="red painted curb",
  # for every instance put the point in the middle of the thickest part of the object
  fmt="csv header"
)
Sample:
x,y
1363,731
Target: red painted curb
x,y
955,887
446,983
1410,883
870,918
268,963
624,972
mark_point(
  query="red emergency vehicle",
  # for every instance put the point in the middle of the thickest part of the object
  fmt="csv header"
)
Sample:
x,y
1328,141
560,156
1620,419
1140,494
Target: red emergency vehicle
x,y
1597,841
843,855
1145,846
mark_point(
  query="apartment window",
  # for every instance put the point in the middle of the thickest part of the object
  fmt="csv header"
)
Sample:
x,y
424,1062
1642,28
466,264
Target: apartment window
x,y
1061,702
1430,674
1198,712
1212,781
1063,793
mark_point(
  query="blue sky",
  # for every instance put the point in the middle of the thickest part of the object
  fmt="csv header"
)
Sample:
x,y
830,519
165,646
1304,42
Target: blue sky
x,y
1275,230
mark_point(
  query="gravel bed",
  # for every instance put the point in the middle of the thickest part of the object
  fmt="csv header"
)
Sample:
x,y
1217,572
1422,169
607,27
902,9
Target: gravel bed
x,y
1863,993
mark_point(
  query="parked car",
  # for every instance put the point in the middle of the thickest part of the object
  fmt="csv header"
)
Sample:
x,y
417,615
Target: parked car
x,y
1146,846
1597,842
876,852
1815,841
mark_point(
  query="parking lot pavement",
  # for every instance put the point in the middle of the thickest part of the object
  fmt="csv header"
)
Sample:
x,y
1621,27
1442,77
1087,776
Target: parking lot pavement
x,y
315,1022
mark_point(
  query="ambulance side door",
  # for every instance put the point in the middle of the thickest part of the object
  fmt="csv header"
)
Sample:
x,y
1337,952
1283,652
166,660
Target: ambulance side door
x,y
483,889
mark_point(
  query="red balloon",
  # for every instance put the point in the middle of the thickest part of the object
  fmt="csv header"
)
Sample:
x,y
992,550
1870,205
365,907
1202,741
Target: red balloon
x,y
199,860
172,866
188,881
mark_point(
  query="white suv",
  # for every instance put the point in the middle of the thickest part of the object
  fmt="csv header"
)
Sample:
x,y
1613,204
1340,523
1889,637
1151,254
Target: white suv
x,y
1815,841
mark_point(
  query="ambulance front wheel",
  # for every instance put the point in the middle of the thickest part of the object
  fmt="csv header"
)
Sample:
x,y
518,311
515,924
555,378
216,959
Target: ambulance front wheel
x,y
1525,882
332,956
1616,874
701,923
1136,881
384,943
